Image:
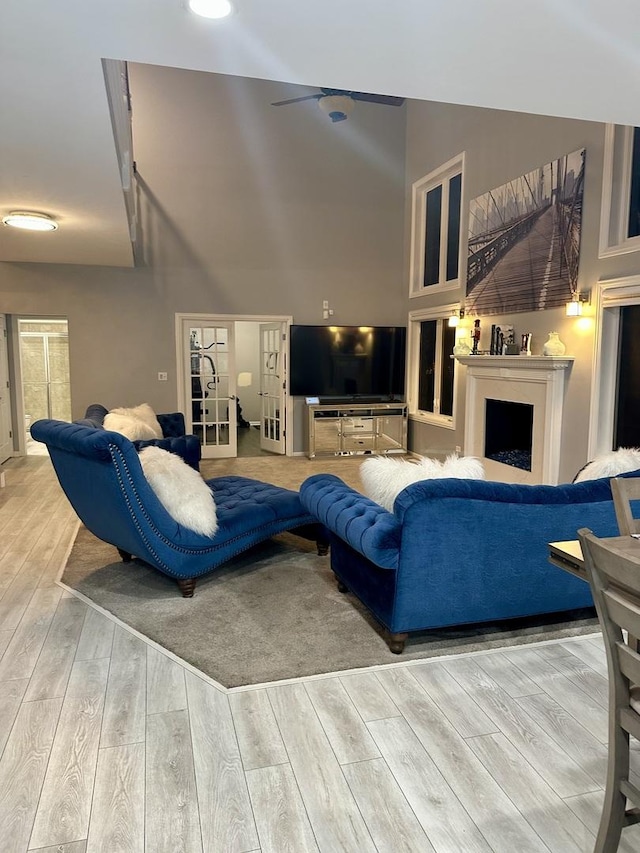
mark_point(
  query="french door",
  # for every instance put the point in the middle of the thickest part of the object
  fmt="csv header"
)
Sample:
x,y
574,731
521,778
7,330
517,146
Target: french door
x,y
209,382
209,353
272,388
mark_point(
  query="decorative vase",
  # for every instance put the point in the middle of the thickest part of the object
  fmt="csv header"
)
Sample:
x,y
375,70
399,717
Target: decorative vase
x,y
461,347
553,345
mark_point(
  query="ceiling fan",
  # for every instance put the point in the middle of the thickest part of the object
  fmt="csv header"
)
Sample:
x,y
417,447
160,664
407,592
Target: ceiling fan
x,y
339,103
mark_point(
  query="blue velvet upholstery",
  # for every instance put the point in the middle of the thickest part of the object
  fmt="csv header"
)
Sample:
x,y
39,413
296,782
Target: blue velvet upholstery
x,y
173,431
101,475
458,551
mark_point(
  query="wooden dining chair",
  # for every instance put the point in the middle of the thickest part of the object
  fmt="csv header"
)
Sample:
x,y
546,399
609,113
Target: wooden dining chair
x,y
615,584
625,490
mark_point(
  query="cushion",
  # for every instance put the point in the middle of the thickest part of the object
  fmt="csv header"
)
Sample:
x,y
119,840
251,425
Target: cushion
x,y
143,412
180,489
610,464
384,477
134,428
138,423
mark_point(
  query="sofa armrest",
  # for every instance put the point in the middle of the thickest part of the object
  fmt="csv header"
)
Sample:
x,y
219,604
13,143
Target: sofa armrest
x,y
186,446
366,526
172,424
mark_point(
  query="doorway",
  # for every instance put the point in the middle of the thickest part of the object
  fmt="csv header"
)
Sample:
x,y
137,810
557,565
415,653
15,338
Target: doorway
x,y
6,438
232,383
44,369
627,411
614,401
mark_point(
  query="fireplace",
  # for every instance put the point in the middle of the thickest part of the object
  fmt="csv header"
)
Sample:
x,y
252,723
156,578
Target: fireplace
x,y
508,433
513,415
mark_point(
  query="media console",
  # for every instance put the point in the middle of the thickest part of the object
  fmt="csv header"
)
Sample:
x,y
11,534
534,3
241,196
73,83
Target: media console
x,y
345,429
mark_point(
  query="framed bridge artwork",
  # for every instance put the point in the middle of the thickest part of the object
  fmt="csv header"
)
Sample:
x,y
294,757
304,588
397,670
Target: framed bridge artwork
x,y
524,240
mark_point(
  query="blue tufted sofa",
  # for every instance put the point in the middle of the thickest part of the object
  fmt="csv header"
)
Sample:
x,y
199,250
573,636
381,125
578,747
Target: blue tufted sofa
x,y
173,434
101,475
456,552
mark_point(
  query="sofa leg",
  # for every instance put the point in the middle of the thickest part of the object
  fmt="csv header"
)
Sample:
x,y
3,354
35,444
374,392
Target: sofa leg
x,y
323,548
187,587
124,555
396,642
342,587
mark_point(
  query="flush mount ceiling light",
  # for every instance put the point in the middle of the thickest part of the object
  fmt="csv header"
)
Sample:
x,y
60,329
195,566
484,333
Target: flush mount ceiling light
x,y
30,221
211,8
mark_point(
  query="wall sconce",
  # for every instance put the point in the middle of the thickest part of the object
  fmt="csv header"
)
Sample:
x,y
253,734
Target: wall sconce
x,y
244,379
574,308
455,317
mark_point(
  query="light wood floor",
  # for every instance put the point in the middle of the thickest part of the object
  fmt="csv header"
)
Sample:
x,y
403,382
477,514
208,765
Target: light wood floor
x,y
108,745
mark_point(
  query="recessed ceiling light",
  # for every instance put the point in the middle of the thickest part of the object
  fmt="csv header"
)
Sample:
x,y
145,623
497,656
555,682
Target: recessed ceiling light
x,y
30,221
211,8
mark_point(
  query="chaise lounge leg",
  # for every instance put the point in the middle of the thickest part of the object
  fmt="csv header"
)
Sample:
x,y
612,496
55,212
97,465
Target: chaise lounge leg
x,y
396,642
124,555
323,548
187,587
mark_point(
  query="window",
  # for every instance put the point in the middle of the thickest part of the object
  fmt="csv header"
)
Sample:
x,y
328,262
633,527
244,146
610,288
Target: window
x,y
435,239
431,368
620,213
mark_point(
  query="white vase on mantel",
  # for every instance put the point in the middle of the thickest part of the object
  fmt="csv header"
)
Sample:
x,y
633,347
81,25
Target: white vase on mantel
x,y
553,345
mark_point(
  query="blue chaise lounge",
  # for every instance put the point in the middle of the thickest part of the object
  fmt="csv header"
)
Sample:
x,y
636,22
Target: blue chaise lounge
x,y
102,477
457,551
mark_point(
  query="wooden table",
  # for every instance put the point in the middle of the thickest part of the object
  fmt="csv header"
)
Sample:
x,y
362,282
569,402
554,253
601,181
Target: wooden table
x,y
568,555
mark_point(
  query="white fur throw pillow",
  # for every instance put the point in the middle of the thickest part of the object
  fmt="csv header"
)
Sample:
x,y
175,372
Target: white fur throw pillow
x,y
180,489
133,428
384,477
143,413
610,464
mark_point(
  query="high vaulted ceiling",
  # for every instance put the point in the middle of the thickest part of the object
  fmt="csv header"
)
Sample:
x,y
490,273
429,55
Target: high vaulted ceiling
x,y
574,58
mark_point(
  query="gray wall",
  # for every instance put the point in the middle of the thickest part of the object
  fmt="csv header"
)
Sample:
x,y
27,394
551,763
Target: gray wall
x,y
245,209
501,145
253,209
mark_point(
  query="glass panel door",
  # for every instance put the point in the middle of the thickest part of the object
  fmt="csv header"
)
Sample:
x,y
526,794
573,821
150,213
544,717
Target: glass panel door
x,y
211,385
272,381
44,359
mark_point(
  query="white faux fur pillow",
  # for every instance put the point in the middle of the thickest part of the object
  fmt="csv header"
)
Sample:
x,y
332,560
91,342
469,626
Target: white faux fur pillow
x,y
610,464
143,413
180,489
384,477
134,428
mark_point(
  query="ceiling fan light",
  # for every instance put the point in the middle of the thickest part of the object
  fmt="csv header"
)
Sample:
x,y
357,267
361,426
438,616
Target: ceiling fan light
x,y
30,221
211,8
337,107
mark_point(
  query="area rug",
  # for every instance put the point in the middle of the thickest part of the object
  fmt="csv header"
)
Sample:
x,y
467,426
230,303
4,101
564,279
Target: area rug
x,y
274,613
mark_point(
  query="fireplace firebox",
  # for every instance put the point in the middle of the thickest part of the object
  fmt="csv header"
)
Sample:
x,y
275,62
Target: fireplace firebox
x,y
508,433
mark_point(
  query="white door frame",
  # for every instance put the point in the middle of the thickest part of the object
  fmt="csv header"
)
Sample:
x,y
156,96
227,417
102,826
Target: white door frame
x,y
609,296
235,318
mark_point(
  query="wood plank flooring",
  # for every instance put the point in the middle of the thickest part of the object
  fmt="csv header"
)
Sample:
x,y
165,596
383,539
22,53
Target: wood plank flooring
x,y
107,745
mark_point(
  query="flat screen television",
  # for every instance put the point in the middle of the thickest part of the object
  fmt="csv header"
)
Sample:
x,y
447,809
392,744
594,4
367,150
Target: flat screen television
x,y
347,362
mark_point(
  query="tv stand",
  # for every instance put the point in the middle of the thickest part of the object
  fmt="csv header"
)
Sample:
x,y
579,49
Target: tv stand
x,y
347,429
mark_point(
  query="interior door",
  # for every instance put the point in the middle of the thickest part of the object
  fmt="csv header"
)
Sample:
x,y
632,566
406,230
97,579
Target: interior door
x,y
272,387
209,360
6,441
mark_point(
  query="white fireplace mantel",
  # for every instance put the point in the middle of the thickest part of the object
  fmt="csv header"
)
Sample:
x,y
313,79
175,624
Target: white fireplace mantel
x,y
533,380
519,362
